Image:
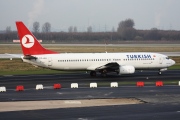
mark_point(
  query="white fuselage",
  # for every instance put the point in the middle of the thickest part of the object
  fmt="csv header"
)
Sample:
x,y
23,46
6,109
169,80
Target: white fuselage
x,y
90,61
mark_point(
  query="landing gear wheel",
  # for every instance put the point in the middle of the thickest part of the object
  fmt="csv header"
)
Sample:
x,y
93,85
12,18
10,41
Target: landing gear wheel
x,y
93,73
160,73
103,74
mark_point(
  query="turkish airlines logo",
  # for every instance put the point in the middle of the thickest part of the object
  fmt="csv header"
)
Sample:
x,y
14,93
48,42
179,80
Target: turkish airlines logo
x,y
27,41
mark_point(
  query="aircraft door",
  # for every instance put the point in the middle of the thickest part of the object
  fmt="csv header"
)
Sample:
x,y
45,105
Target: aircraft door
x,y
160,60
49,61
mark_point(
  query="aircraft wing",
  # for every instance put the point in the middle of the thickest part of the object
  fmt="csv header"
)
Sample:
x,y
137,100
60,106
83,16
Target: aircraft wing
x,y
111,66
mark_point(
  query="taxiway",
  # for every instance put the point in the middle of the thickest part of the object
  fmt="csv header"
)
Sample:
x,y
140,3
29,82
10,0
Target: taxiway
x,y
158,102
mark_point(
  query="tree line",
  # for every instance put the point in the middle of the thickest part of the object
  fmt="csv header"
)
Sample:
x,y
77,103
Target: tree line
x,y
125,31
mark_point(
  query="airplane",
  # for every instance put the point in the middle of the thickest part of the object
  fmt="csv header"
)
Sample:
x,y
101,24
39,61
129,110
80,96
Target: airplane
x,y
120,63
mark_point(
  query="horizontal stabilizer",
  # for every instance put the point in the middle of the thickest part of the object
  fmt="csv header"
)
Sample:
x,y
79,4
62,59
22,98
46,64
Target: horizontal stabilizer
x,y
14,55
29,57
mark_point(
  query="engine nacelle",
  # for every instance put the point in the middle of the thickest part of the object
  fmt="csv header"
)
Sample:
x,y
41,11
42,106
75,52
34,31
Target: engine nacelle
x,y
126,69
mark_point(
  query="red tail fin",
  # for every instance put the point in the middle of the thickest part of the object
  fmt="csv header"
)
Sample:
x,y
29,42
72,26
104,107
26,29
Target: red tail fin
x,y
29,43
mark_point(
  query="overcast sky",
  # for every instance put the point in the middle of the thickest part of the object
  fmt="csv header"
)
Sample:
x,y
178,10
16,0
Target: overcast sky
x,y
102,15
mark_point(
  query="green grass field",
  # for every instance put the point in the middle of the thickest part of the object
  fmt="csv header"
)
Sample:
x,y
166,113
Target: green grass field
x,y
91,49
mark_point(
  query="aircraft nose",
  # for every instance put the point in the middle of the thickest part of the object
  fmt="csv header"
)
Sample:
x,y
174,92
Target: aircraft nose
x,y
173,62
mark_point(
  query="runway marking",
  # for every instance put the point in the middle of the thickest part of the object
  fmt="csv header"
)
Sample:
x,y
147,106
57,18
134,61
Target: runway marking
x,y
83,119
7,75
36,105
108,94
72,102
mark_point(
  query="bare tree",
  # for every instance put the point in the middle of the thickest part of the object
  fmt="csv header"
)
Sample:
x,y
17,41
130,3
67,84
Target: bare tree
x,y
8,29
70,29
46,27
89,29
36,26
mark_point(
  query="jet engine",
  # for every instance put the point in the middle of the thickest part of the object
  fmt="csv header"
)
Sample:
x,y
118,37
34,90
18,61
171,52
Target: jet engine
x,y
126,69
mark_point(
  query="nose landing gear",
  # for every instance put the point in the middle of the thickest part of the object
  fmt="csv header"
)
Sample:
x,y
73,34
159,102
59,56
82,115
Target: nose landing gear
x,y
163,69
159,73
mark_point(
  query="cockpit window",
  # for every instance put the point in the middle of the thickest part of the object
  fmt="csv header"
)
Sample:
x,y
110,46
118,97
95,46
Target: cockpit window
x,y
167,58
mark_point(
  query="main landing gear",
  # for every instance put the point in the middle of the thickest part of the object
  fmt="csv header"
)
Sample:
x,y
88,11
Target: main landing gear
x,y
103,73
93,73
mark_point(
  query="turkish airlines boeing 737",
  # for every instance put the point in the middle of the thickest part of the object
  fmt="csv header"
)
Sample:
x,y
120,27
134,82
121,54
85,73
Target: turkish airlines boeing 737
x,y
121,63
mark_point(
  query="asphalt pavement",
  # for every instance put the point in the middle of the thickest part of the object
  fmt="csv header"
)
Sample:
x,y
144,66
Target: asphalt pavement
x,y
158,102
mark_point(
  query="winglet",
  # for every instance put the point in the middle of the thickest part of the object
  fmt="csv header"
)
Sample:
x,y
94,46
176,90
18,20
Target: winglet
x,y
29,43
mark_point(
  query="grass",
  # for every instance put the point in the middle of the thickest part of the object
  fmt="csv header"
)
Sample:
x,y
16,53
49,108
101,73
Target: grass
x,y
17,67
91,49
29,72
175,67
